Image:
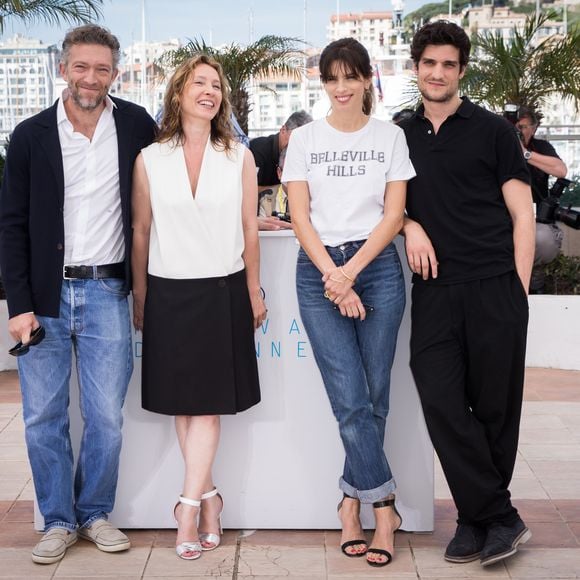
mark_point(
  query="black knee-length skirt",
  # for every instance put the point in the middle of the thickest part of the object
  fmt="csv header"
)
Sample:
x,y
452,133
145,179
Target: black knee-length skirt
x,y
198,347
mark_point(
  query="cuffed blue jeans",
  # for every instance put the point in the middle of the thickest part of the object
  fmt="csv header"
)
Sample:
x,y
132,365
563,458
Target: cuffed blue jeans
x,y
94,321
355,359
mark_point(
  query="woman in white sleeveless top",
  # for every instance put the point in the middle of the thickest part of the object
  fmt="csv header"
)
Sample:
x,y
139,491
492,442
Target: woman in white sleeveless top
x,y
196,288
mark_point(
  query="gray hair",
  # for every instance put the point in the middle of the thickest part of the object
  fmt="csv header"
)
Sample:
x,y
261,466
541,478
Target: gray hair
x,y
91,34
297,119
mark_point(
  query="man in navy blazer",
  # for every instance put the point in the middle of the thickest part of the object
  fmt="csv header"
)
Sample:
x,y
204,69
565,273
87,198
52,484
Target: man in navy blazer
x,y
65,244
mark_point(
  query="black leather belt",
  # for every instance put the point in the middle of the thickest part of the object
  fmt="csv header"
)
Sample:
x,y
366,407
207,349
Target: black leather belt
x,y
94,272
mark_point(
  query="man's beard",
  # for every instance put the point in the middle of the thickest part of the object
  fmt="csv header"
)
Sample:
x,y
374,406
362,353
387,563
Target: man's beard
x,y
434,97
85,103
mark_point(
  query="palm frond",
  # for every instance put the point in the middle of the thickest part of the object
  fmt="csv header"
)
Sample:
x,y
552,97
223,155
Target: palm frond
x,y
50,11
269,56
524,71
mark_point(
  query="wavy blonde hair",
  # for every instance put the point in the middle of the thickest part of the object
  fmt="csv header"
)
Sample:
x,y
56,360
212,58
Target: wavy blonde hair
x,y
171,128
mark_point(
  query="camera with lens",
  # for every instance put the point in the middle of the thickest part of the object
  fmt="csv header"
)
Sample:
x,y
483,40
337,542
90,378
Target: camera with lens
x,y
284,216
511,113
549,209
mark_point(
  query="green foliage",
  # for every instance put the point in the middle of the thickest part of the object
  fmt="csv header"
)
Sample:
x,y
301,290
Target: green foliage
x,y
269,56
523,71
523,8
427,11
563,275
571,195
50,11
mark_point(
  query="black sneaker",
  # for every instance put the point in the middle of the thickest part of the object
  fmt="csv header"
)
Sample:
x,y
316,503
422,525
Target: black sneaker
x,y
466,545
503,541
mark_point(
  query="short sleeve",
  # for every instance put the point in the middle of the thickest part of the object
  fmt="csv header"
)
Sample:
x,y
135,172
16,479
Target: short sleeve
x,y
510,158
401,168
295,167
544,147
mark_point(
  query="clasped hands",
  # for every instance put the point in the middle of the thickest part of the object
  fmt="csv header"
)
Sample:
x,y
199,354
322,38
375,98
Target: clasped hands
x,y
338,283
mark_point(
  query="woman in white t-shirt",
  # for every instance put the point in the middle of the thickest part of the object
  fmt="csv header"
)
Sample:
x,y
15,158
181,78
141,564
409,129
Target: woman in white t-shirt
x,y
347,176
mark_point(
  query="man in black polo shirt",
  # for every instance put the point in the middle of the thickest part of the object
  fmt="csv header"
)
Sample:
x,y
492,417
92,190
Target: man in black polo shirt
x,y
543,161
470,244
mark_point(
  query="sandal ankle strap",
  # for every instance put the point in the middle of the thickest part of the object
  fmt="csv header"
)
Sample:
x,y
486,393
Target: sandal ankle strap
x,y
191,502
384,503
209,494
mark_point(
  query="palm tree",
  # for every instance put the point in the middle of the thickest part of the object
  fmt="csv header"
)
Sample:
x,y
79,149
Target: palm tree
x,y
270,55
523,71
50,11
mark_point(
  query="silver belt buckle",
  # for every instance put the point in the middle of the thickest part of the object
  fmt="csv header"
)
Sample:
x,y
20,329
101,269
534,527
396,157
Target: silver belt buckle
x,y
64,276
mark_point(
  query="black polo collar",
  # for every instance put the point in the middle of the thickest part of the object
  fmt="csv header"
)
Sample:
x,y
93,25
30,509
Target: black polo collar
x,y
464,110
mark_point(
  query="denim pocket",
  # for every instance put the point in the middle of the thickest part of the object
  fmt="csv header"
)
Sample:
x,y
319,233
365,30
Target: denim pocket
x,y
114,286
388,253
303,259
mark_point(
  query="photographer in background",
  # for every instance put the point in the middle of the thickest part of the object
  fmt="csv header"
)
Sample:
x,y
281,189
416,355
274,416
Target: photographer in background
x,y
273,208
266,151
543,161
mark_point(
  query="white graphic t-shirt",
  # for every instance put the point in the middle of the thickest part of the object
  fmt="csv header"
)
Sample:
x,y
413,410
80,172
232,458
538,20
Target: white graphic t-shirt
x,y
347,174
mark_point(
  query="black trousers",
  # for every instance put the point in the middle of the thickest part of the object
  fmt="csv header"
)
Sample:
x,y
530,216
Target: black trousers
x,y
468,345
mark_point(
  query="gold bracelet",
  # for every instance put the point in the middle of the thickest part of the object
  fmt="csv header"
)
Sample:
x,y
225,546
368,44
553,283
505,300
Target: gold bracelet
x,y
346,275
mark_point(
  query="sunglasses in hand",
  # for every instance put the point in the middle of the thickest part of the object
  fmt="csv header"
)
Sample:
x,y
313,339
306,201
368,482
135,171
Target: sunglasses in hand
x,y
36,337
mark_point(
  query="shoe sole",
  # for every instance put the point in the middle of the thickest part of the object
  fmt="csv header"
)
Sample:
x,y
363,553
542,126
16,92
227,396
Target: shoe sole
x,y
47,559
105,548
524,536
462,559
51,559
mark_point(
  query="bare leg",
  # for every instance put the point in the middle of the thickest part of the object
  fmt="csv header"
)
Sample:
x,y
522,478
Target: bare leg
x,y
349,514
386,523
198,438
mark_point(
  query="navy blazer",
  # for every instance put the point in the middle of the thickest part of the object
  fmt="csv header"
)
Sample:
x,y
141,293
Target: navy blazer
x,y
32,205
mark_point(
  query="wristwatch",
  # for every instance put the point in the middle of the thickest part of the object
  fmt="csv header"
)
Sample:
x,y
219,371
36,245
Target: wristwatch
x,y
527,155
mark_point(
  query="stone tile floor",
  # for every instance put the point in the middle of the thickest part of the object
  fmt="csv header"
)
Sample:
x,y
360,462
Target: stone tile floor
x,y
546,489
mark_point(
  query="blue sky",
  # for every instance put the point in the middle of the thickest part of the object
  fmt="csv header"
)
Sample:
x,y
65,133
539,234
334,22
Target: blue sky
x,y
223,21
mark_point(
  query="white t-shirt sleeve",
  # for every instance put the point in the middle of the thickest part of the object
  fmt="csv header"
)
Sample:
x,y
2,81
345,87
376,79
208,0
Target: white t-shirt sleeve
x,y
401,168
295,167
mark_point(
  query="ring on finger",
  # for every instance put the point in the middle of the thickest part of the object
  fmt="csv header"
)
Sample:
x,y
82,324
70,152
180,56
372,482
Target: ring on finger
x,y
327,295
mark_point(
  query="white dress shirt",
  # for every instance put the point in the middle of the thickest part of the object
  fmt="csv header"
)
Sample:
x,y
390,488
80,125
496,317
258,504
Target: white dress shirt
x,y
93,223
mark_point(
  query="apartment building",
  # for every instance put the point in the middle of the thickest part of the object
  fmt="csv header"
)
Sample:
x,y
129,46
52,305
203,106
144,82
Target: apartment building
x,y
28,72
502,20
375,30
141,79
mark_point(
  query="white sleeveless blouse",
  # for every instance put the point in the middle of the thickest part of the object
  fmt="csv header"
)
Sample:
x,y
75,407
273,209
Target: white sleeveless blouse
x,y
199,237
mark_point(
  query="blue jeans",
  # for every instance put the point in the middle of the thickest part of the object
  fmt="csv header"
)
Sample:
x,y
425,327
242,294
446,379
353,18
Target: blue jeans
x,y
94,321
355,359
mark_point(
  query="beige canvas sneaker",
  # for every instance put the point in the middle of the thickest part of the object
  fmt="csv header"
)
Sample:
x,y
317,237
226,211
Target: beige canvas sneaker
x,y
53,546
106,536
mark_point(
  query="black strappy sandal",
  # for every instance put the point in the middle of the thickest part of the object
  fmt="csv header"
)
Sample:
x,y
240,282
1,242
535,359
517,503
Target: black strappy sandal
x,y
350,543
377,505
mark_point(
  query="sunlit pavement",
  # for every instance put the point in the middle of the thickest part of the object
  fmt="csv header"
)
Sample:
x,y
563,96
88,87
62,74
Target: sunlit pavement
x,y
546,490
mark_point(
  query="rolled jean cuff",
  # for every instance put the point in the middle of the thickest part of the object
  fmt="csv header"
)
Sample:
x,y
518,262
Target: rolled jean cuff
x,y
61,525
93,519
368,495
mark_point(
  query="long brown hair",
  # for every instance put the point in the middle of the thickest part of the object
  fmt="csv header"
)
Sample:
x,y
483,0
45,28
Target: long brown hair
x,y
171,128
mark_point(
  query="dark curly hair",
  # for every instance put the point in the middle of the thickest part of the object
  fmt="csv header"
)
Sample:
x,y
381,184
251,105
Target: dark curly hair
x,y
353,57
439,33
91,34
